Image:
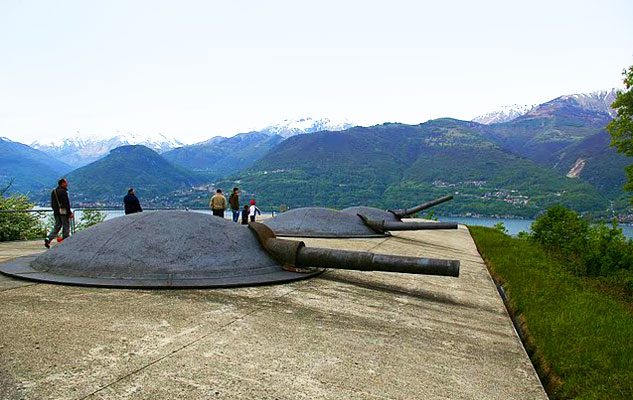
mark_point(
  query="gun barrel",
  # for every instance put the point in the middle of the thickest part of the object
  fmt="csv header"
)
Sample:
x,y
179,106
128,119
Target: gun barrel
x,y
410,226
295,254
384,226
364,261
408,211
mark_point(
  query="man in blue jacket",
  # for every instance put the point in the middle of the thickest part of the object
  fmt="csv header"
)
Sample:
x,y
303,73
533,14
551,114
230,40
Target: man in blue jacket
x,y
131,203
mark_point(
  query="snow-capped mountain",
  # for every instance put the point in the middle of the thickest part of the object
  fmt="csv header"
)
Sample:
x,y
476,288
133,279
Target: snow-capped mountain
x,y
504,114
82,150
596,101
599,101
288,128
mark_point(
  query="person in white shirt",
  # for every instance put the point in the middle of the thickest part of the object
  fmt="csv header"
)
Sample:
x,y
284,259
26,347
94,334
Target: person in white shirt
x,y
253,210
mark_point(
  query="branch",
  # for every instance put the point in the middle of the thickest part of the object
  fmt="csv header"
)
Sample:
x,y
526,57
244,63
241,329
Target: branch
x,y
3,191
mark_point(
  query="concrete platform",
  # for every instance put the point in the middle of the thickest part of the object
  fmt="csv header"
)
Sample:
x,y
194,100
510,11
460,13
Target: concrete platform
x,y
342,335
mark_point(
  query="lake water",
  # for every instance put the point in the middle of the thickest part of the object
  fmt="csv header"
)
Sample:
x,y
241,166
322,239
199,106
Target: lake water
x,y
514,226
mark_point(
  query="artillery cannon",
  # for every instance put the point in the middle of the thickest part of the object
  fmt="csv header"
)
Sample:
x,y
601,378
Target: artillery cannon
x,y
377,214
351,222
177,249
294,254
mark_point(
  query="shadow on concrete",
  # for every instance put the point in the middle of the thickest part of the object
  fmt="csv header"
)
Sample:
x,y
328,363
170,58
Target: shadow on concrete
x,y
396,290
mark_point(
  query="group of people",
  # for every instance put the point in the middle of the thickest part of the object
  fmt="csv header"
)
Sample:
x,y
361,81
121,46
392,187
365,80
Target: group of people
x,y
218,206
60,203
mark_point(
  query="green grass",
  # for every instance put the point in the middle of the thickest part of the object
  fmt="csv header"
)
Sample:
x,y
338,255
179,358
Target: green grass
x,y
580,338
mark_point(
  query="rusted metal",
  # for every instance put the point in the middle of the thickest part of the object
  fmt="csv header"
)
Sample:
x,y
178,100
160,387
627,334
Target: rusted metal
x,y
384,226
364,261
295,255
409,211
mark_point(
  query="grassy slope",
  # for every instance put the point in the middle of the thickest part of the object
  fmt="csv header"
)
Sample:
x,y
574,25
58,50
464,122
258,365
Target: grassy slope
x,y
584,336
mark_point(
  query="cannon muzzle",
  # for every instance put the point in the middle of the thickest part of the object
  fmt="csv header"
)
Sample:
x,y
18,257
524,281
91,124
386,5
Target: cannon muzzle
x,y
403,212
384,226
294,255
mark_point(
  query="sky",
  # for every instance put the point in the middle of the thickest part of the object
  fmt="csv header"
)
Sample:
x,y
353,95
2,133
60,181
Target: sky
x,y
198,69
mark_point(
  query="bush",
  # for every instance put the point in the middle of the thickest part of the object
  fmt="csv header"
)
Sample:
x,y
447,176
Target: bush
x,y
500,226
607,251
561,230
19,226
597,250
90,218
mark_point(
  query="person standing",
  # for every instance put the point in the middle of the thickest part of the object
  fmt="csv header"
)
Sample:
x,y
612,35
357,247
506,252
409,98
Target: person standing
x,y
60,203
234,202
253,210
131,203
245,212
218,203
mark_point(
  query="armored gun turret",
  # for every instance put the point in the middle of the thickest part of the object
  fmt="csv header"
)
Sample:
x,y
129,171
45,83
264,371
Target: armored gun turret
x,y
178,249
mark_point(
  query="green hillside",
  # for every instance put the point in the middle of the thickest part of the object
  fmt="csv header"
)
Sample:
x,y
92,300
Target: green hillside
x,y
602,167
220,157
397,165
107,179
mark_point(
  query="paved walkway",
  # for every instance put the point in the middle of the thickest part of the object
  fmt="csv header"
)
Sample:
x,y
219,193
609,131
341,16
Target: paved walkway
x,y
343,335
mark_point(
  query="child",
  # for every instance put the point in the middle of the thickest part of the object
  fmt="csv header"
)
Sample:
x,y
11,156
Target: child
x,y
245,213
252,210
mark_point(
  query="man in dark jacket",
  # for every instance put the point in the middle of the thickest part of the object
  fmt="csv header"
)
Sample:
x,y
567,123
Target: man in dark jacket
x,y
131,203
234,202
60,203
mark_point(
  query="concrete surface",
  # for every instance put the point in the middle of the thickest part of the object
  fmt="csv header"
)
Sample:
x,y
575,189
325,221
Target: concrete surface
x,y
342,335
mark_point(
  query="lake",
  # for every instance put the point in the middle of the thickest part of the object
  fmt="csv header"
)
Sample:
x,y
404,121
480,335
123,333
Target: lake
x,y
514,226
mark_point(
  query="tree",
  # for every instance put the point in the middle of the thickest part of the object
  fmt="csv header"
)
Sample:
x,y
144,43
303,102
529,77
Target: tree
x,y
16,223
561,230
621,128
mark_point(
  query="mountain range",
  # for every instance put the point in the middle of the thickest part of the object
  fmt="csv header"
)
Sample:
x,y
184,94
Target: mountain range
x,y
398,165
556,152
504,114
78,151
599,101
27,170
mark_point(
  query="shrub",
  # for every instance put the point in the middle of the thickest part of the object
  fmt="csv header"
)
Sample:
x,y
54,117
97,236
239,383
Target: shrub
x,y
597,250
561,230
500,226
19,226
90,218
607,250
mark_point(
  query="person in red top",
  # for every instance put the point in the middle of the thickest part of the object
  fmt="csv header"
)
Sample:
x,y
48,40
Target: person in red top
x,y
253,210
